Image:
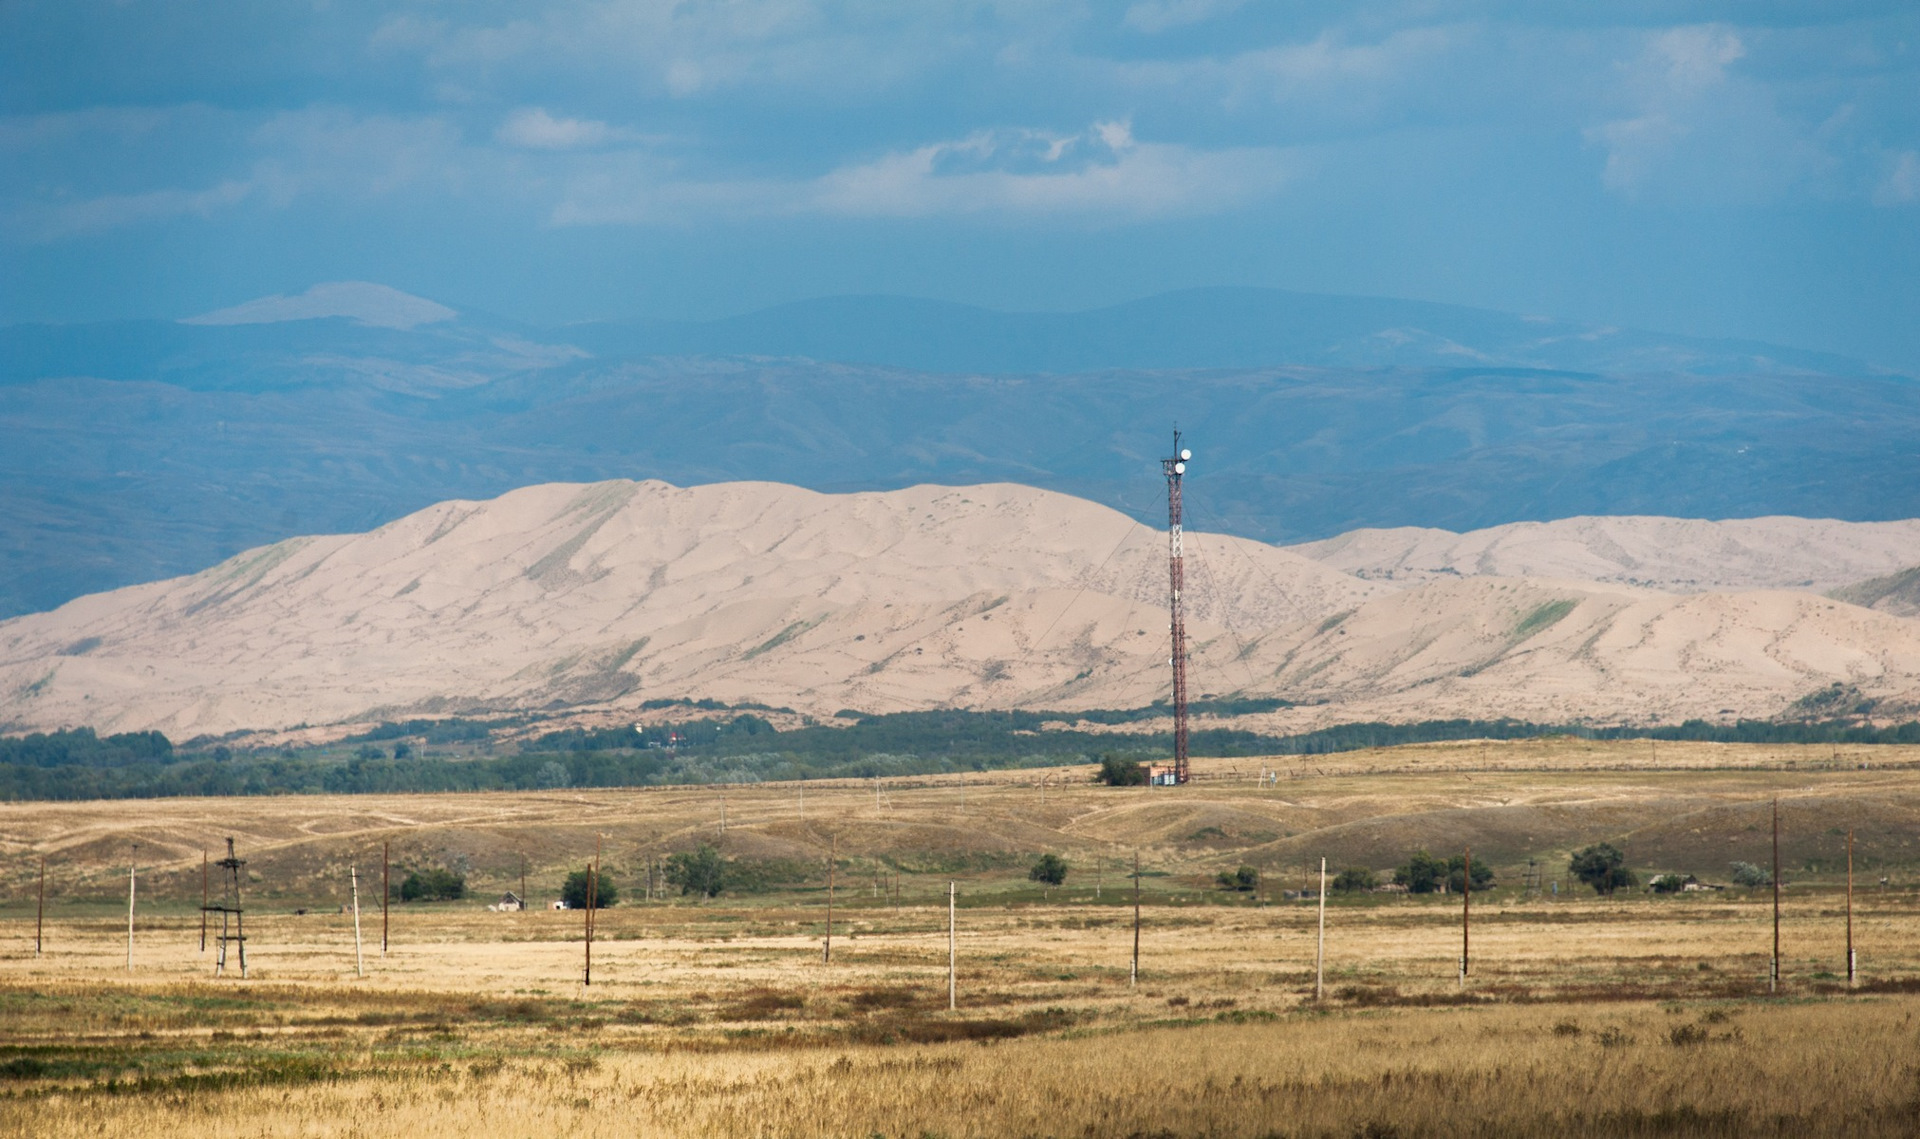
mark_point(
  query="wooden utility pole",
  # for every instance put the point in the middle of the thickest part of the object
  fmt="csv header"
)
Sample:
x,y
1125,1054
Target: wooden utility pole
x,y
953,952
1466,915
523,881
1851,970
40,916
386,892
1320,956
826,948
1133,972
129,917
359,959
203,899
1773,973
593,904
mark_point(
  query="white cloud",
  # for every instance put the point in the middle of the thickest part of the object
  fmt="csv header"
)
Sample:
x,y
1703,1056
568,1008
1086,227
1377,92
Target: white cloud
x,y
1102,175
49,222
534,129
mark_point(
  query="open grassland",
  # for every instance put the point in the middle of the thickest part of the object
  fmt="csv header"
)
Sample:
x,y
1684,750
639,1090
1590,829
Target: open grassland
x,y
1581,1015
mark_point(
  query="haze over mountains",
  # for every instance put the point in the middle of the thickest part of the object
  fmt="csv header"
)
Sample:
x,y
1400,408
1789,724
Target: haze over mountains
x,y
591,599
143,450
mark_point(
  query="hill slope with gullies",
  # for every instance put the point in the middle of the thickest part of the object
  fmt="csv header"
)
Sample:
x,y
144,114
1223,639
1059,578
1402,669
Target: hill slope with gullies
x,y
592,599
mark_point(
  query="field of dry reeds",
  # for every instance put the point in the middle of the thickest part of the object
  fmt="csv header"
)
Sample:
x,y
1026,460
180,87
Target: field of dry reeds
x,y
1636,1014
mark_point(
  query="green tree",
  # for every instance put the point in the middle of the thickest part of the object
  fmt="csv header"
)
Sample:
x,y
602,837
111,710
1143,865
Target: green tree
x,y
1353,879
1422,874
1051,869
1244,879
574,891
1603,867
1119,771
1749,875
1457,874
700,872
433,884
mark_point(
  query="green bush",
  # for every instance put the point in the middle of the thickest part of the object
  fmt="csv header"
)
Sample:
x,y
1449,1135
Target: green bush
x,y
1119,771
701,872
1354,879
1603,867
1244,879
574,892
1667,883
1747,874
1051,870
433,884
1422,874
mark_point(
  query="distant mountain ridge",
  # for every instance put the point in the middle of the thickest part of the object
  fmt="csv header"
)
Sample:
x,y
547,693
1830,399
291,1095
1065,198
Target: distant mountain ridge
x,y
135,451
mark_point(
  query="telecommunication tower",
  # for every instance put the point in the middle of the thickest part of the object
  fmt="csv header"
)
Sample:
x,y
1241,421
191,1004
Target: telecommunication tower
x,y
1175,468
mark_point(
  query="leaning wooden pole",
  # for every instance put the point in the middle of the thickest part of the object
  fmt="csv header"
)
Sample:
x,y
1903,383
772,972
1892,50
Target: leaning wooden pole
x,y
40,915
1852,971
386,893
1773,973
129,917
826,947
953,953
203,899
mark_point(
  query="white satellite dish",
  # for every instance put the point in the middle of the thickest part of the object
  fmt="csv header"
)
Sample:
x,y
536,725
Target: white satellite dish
x,y
1179,468
1185,455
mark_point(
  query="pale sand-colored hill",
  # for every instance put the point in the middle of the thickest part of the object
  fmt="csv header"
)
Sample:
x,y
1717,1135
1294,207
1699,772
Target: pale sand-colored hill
x,y
593,599
1680,555
563,596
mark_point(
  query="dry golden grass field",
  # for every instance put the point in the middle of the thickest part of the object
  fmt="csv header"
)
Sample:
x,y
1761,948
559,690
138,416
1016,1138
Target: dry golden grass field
x,y
1634,1015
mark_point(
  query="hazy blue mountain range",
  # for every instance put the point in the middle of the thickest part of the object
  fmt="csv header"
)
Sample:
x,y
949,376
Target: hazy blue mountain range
x,y
138,450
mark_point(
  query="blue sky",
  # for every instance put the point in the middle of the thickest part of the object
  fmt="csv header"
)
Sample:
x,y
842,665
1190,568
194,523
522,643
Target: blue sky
x,y
1742,169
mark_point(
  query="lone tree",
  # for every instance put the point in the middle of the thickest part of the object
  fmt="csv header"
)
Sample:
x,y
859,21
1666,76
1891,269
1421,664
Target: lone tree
x,y
1244,879
702,872
1749,875
574,892
1603,867
1119,771
1050,870
1353,879
1457,874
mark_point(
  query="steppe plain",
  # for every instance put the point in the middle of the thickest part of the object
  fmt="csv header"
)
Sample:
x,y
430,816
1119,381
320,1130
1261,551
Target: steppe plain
x,y
1581,1015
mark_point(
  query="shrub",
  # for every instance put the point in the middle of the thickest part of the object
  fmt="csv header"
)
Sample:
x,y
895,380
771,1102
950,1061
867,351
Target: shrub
x,y
702,872
1747,874
574,892
1051,869
1457,874
1354,879
433,884
1667,883
1244,879
1118,771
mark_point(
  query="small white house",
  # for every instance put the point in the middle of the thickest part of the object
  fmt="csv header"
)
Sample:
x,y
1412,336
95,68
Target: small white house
x,y
509,902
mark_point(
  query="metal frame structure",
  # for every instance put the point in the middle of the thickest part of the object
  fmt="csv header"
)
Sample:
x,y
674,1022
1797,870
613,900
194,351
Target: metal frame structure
x,y
232,928
1175,468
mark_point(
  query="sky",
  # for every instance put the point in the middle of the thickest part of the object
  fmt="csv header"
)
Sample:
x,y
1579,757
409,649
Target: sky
x,y
1729,169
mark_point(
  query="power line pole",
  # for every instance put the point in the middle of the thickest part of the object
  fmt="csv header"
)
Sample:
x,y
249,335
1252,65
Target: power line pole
x,y
386,892
1851,970
130,913
1466,915
203,899
1133,973
1175,468
40,915
359,959
953,952
1773,974
1320,956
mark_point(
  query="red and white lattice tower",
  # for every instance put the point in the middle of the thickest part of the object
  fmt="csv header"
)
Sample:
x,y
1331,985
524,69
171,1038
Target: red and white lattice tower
x,y
1175,468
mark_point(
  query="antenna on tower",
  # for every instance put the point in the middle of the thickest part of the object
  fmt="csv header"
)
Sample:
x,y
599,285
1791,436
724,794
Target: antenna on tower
x,y
1175,468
